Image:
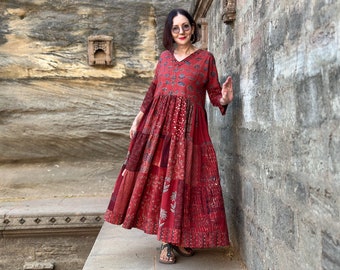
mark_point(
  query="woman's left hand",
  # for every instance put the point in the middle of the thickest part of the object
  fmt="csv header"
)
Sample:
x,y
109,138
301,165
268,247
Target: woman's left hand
x,y
227,92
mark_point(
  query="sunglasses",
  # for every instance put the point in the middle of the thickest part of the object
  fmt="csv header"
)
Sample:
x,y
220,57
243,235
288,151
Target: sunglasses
x,y
185,27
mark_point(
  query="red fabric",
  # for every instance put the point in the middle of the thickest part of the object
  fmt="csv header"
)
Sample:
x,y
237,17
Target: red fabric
x,y
169,184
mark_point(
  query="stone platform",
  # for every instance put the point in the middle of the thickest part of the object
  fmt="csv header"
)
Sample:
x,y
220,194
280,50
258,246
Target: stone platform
x,y
118,248
51,213
57,233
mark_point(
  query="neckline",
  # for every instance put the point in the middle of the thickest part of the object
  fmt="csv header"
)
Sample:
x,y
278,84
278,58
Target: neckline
x,y
174,57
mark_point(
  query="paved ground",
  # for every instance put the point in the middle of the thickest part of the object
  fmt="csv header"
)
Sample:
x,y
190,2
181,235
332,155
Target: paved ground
x,y
118,248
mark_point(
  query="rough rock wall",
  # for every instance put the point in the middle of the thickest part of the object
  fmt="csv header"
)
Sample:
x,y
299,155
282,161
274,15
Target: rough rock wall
x,y
278,147
42,39
53,105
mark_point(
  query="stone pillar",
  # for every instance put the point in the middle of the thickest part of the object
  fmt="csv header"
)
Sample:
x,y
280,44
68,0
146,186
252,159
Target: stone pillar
x,y
204,33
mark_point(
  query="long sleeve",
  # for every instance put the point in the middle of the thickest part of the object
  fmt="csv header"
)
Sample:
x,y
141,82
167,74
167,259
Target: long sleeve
x,y
213,86
148,97
150,93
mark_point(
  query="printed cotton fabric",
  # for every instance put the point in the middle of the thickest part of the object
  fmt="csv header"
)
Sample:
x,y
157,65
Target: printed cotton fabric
x,y
169,184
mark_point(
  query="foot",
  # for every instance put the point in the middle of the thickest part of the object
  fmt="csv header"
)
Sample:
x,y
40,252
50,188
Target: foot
x,y
184,251
167,255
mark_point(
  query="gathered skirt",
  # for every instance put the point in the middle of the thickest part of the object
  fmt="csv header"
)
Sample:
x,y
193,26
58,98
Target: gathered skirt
x,y
169,184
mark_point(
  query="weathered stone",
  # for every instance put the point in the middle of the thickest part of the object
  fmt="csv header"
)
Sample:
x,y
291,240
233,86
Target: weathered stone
x,y
282,130
78,111
38,266
330,252
64,251
295,190
58,120
283,224
309,96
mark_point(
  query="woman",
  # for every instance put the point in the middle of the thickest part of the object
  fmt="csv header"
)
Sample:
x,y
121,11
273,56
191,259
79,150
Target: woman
x,y
169,184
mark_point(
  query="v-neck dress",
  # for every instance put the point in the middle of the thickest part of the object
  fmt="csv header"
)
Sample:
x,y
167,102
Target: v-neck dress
x,y
169,184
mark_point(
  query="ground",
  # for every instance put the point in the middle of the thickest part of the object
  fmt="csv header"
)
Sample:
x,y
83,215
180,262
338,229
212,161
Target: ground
x,y
58,179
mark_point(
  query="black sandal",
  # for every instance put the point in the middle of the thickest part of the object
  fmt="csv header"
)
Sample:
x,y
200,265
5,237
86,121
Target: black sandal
x,y
189,251
171,259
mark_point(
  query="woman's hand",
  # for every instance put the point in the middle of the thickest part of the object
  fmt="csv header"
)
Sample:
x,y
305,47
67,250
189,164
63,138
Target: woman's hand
x,y
227,92
135,124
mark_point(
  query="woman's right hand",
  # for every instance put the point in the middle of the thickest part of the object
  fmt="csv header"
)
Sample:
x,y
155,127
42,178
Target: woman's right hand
x,y
135,124
133,129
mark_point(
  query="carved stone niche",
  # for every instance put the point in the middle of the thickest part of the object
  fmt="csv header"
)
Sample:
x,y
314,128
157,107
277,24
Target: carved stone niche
x,y
100,50
229,14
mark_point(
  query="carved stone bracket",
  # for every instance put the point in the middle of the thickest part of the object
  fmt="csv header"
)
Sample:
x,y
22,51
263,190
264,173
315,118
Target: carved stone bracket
x,y
100,50
229,14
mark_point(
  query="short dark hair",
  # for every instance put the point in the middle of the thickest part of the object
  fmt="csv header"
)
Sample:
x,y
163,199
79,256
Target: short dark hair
x,y
168,41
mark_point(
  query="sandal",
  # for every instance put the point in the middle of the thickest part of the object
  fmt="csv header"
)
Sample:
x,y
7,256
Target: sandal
x,y
171,259
188,252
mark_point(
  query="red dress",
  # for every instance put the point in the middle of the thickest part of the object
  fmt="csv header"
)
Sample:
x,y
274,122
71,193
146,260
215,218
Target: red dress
x,y
169,184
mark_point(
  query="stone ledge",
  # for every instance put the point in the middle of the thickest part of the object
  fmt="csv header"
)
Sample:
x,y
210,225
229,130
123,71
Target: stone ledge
x,y
63,232
49,221
52,216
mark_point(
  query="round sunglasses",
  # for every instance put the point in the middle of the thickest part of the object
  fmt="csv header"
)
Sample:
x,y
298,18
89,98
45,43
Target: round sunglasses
x,y
185,27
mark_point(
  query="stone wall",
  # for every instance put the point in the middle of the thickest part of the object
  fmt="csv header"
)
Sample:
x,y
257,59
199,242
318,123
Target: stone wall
x,y
53,104
278,146
51,251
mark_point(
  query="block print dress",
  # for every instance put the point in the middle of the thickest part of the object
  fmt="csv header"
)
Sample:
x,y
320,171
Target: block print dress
x,y
169,184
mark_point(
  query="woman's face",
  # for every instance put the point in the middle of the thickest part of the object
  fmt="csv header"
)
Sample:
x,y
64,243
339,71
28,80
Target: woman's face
x,y
181,30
